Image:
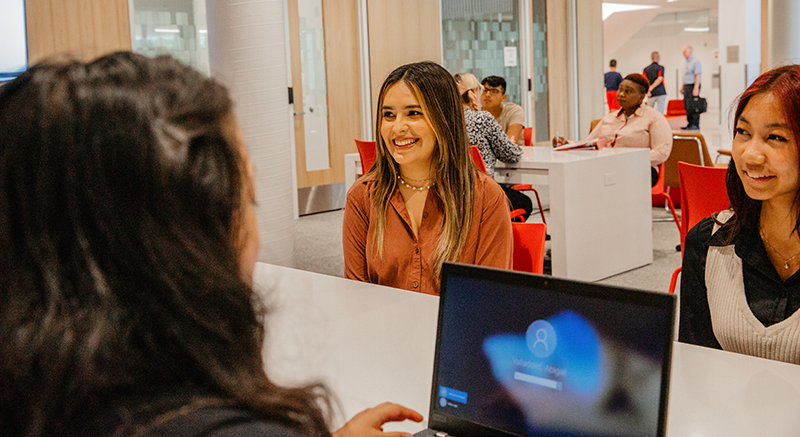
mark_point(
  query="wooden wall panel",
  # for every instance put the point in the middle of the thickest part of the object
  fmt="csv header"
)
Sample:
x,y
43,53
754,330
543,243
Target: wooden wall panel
x,y
590,65
401,32
340,23
557,71
591,87
83,29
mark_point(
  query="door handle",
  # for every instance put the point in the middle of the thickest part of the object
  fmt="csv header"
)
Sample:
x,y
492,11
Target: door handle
x,y
300,113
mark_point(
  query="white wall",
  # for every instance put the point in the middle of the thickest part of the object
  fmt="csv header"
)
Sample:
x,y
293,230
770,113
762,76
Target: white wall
x,y
740,26
634,55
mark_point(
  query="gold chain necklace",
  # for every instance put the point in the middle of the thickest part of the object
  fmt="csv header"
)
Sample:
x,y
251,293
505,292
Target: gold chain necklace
x,y
413,180
785,260
418,188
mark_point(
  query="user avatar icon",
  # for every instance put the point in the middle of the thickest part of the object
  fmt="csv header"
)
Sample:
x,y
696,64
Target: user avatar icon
x,y
541,338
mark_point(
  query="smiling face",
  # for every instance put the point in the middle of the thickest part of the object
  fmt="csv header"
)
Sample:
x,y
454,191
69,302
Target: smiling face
x,y
405,130
765,151
630,95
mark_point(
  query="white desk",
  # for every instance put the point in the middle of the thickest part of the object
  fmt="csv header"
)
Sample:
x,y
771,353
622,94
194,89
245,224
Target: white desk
x,y
600,208
371,344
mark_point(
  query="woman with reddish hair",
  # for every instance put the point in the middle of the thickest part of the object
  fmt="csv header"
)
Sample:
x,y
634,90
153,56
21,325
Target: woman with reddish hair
x,y
634,125
740,289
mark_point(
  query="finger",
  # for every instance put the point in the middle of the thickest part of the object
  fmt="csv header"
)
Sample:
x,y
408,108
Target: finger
x,y
396,434
389,412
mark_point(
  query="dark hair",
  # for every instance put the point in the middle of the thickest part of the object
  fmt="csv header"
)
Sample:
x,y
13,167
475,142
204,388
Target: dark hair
x,y
120,187
640,80
613,63
455,172
495,82
784,83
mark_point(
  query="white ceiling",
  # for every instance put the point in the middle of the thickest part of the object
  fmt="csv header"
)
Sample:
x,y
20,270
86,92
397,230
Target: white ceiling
x,y
679,5
622,26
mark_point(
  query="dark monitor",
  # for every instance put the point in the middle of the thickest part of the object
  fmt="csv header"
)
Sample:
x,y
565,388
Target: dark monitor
x,y
528,355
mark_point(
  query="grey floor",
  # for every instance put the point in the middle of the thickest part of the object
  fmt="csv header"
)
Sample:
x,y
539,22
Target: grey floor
x,y
319,249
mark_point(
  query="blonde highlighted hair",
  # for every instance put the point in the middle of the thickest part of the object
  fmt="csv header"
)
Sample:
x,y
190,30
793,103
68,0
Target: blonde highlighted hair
x,y
454,173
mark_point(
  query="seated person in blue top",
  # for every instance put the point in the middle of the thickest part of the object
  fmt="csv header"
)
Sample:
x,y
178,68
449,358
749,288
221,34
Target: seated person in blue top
x,y
127,244
740,287
486,134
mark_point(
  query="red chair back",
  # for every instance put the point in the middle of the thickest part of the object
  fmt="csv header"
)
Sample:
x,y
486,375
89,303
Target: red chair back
x,y
529,247
477,158
527,135
367,152
675,108
703,192
659,196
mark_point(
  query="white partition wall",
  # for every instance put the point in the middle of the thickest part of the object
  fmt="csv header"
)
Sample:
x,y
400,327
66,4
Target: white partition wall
x,y
247,52
784,34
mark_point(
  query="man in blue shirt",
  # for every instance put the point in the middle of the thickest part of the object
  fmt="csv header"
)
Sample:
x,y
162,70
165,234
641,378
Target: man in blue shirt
x,y
691,87
612,79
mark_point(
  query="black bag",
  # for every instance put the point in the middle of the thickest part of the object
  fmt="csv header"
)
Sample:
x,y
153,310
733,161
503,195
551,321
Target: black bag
x,y
698,105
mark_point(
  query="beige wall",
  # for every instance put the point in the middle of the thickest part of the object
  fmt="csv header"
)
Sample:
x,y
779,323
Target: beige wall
x,y
591,91
589,16
401,32
83,29
557,70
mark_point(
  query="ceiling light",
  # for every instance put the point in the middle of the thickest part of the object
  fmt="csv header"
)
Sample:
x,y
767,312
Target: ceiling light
x,y
167,30
610,8
696,29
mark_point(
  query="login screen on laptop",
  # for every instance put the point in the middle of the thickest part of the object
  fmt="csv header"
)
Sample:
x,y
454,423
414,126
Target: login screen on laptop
x,y
550,357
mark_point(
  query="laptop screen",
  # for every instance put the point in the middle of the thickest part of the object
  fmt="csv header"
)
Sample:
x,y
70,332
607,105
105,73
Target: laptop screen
x,y
531,355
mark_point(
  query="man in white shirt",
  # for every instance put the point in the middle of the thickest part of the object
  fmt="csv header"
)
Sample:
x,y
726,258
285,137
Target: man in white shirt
x,y
509,115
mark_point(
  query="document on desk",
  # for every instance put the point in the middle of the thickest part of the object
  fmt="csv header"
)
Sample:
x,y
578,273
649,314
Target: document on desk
x,y
593,144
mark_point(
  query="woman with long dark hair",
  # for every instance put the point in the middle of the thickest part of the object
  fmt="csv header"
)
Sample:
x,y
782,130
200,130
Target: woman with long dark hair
x,y
423,202
740,287
127,245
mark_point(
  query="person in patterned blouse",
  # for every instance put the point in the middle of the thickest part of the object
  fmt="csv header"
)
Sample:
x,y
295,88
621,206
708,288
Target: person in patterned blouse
x,y
485,133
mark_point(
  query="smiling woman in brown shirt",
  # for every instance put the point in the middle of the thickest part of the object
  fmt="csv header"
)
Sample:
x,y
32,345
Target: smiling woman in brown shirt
x,y
423,202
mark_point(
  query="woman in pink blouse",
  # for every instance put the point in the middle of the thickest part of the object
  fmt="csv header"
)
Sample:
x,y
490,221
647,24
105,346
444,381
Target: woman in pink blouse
x,y
635,124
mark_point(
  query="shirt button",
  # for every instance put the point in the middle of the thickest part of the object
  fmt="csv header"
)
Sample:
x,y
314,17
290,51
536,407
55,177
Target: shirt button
x,y
424,215
416,284
416,250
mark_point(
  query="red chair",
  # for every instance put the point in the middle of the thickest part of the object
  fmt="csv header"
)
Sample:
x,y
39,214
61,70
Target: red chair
x,y
529,247
703,192
675,108
660,195
478,159
527,135
674,280
676,114
367,152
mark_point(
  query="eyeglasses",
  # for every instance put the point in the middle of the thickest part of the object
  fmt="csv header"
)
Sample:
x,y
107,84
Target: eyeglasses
x,y
492,91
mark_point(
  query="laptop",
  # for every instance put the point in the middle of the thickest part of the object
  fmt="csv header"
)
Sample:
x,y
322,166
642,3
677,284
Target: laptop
x,y
519,354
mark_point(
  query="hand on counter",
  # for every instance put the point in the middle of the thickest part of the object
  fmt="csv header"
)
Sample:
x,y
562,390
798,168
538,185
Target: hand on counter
x,y
370,421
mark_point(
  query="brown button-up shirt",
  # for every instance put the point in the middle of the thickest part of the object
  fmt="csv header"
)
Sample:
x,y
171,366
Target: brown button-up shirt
x,y
407,261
